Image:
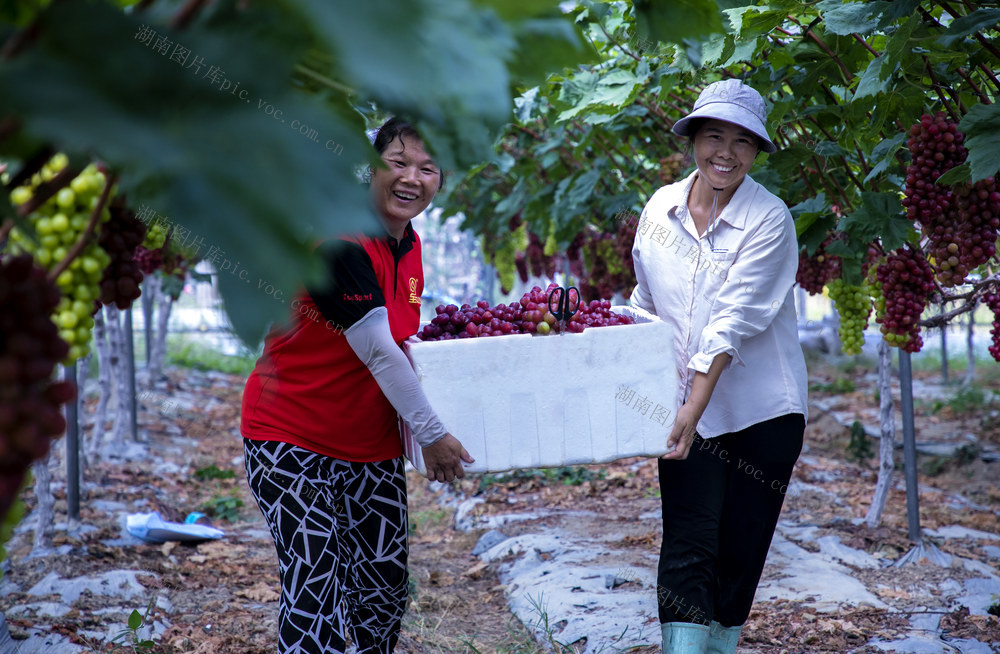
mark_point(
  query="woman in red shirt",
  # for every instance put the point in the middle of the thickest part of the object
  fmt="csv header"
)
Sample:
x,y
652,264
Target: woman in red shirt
x,y
320,421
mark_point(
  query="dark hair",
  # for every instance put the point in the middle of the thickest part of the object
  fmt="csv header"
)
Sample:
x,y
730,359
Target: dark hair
x,y
394,128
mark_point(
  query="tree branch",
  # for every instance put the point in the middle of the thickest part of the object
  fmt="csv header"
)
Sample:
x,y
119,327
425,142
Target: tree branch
x,y
848,75
857,37
975,87
971,298
979,37
937,89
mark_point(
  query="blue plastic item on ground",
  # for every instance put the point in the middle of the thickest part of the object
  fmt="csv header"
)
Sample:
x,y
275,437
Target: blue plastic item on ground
x,y
151,528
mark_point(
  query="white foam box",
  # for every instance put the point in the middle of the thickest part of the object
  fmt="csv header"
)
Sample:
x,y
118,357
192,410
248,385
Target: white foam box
x,y
523,401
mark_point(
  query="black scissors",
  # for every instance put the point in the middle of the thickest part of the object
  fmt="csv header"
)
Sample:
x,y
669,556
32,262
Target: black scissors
x,y
562,310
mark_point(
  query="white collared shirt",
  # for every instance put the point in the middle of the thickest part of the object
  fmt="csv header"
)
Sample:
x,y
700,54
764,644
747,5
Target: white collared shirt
x,y
728,290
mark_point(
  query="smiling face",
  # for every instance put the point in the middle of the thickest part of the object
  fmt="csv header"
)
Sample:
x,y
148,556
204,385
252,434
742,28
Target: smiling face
x,y
408,185
724,153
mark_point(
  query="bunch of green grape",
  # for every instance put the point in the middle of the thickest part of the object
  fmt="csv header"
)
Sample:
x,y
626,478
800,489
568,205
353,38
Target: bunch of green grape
x,y
854,304
156,234
55,227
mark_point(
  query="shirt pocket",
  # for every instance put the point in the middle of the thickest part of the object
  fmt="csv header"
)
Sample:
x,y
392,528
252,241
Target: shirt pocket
x,y
716,270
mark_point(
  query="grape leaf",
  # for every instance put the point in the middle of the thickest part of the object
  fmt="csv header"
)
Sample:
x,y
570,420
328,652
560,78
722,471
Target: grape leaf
x,y
761,22
544,45
452,48
813,221
841,249
852,17
981,126
976,21
812,206
879,216
884,155
245,184
956,175
829,149
519,9
871,82
675,20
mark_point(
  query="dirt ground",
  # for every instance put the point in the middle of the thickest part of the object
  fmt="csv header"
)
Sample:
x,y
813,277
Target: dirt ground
x,y
220,597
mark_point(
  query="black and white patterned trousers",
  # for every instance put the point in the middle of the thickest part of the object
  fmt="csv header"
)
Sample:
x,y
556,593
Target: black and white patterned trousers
x,y
340,531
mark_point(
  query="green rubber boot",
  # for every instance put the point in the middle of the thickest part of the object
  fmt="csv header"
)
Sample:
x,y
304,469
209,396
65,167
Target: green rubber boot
x,y
722,640
684,638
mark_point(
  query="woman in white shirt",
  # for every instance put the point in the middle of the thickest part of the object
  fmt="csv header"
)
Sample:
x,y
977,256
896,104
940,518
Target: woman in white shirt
x,y
715,256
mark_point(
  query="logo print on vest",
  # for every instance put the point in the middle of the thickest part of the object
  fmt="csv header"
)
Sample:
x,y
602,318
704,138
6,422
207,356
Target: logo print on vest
x,y
414,298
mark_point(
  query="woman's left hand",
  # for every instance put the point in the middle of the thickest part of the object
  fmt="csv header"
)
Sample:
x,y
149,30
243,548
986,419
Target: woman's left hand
x,y
444,459
682,435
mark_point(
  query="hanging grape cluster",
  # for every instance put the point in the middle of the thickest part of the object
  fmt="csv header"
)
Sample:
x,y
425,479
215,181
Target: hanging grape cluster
x,y
904,282
58,224
670,167
30,349
607,262
816,271
601,262
992,301
120,237
854,305
150,255
961,223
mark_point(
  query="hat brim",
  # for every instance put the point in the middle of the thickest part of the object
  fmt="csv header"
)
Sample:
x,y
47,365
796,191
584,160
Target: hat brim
x,y
731,113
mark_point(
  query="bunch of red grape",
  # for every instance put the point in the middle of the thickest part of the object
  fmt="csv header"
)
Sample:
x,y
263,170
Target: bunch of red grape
x,y
148,261
961,223
977,211
816,271
120,237
603,261
529,316
992,301
906,282
30,348
670,167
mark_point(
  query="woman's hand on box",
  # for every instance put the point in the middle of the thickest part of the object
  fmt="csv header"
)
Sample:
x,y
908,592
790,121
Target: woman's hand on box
x,y
444,458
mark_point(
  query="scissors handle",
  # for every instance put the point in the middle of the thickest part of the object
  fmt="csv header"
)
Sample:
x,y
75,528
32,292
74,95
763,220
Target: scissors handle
x,y
564,307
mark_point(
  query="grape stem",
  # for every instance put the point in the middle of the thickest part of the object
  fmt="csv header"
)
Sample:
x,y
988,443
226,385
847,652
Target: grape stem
x,y
44,191
971,301
323,79
81,242
31,166
617,45
940,88
19,41
187,13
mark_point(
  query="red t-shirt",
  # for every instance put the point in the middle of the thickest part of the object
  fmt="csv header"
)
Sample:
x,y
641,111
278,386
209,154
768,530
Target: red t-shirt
x,y
309,388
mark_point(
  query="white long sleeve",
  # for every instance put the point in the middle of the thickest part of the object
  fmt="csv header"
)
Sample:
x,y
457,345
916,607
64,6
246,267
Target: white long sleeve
x,y
371,339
